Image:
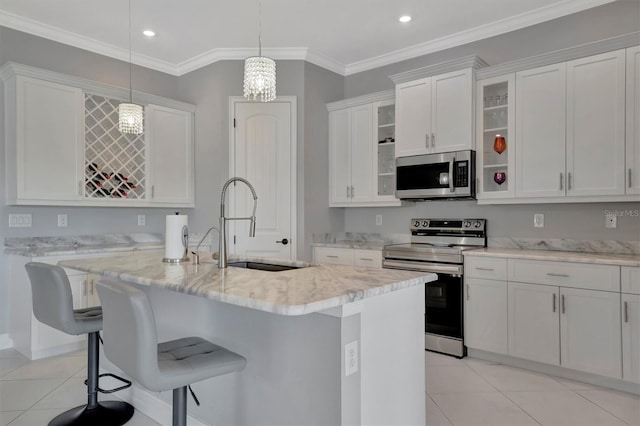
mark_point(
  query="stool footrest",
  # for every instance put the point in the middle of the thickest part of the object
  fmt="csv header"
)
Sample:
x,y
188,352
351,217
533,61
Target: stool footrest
x,y
127,383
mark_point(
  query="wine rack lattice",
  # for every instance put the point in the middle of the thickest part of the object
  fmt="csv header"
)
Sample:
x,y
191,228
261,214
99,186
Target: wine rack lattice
x,y
115,162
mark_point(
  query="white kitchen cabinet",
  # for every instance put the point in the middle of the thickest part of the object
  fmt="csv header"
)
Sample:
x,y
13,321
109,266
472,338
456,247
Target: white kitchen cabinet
x,y
348,256
435,114
171,156
541,131
361,169
44,145
590,331
485,313
534,315
596,125
631,337
633,121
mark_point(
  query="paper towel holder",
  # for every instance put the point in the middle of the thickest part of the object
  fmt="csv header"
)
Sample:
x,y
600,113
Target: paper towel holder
x,y
185,243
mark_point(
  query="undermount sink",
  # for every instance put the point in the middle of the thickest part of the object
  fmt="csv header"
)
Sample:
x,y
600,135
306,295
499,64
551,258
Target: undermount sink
x,y
263,266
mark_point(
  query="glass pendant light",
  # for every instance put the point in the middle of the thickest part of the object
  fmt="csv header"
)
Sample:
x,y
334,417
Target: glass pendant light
x,y
130,115
260,72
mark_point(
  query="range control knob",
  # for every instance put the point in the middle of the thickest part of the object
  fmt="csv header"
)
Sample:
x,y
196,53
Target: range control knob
x,y
416,224
425,224
477,224
466,224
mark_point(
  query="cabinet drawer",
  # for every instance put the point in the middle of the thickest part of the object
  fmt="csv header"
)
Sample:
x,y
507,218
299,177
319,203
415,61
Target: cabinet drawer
x,y
368,258
630,280
485,267
578,275
334,255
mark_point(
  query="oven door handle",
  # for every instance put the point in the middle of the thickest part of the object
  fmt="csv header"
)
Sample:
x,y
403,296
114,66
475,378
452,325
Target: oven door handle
x,y
423,267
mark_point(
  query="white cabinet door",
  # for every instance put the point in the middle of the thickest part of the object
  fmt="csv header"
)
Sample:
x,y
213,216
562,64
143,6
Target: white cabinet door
x,y
590,331
452,111
171,156
534,322
367,258
596,125
362,145
631,337
413,117
49,142
485,315
339,156
334,255
540,131
92,298
633,121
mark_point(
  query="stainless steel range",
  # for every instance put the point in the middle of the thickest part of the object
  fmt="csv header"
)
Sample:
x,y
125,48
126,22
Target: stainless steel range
x,y
436,246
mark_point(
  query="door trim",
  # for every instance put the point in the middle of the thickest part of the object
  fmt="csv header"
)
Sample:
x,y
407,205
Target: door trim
x,y
293,108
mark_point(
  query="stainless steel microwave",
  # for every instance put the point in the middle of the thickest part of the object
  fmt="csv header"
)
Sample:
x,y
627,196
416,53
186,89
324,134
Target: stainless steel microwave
x,y
436,176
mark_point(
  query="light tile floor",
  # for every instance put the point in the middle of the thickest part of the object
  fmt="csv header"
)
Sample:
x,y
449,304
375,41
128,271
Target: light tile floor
x,y
459,392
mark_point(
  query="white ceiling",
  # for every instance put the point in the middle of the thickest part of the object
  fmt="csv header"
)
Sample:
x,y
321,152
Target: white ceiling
x,y
345,36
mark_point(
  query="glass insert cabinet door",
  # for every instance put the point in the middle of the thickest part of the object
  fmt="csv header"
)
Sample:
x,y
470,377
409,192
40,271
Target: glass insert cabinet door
x,y
385,129
495,137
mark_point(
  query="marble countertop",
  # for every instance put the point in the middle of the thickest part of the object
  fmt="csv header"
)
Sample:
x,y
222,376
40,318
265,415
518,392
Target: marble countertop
x,y
559,256
302,291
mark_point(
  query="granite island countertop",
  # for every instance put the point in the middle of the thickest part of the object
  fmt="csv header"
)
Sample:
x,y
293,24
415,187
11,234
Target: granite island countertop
x,y
312,288
559,256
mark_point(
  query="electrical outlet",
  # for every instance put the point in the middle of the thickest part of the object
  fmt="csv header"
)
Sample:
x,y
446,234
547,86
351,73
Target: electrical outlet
x,y
142,220
538,220
351,358
20,220
611,221
62,221
378,220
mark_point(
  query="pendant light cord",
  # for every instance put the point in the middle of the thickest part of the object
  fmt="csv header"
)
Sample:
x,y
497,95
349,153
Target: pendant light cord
x,y
259,28
130,66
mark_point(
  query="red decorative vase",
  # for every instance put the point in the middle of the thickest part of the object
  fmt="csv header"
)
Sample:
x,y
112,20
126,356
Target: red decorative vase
x,y
499,144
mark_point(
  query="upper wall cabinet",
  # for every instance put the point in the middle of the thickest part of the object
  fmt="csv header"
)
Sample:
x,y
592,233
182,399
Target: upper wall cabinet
x,y
361,151
64,148
633,121
435,114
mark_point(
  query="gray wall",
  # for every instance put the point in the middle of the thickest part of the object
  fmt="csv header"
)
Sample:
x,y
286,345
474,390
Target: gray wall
x,y
574,221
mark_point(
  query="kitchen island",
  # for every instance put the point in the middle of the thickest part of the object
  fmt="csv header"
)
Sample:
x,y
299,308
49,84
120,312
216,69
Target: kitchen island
x,y
297,329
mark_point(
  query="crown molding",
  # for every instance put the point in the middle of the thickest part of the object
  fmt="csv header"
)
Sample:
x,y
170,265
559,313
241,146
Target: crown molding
x,y
385,95
471,61
563,55
502,26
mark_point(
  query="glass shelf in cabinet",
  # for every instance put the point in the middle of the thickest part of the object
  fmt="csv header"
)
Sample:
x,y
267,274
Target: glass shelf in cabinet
x,y
495,166
386,174
380,126
497,107
495,129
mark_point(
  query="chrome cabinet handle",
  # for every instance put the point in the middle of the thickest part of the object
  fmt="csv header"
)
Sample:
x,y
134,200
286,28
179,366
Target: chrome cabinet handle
x,y
561,178
366,258
153,191
551,274
484,269
348,196
569,181
626,312
629,178
433,140
426,140
332,256
468,292
353,191
84,287
554,302
564,308
91,288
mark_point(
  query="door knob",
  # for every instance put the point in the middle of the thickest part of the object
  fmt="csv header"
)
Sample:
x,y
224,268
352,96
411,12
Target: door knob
x,y
283,241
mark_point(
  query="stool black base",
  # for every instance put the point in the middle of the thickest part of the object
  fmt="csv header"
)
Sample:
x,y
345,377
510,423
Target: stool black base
x,y
107,413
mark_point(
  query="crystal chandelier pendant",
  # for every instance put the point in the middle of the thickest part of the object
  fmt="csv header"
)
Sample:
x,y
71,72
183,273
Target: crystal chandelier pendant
x,y
260,79
130,118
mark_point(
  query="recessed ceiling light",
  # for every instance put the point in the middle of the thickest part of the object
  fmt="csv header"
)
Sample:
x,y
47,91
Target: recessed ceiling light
x,y
404,18
149,33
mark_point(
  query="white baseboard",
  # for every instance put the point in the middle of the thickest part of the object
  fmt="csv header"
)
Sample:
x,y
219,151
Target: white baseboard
x,y
5,341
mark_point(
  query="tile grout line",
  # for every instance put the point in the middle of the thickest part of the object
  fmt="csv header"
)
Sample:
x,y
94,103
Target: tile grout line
x,y
441,410
599,406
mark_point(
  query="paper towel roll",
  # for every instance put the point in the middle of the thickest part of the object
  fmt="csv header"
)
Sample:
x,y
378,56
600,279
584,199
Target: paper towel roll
x,y
175,248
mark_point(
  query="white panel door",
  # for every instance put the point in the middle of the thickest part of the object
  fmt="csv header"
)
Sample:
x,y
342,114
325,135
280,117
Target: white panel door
x,y
171,156
50,132
339,156
263,156
590,331
485,323
631,337
540,131
534,322
362,142
413,117
596,125
452,111
633,120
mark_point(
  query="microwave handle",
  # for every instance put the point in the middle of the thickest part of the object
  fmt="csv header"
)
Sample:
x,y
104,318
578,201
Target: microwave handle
x,y
451,188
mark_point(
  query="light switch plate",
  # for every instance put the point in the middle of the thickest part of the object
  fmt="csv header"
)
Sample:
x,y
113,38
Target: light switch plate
x,y
62,221
142,220
351,358
20,220
538,220
378,220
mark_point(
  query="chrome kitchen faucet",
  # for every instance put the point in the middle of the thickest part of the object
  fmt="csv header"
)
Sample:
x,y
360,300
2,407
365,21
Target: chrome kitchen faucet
x,y
222,244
